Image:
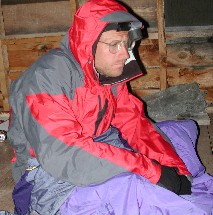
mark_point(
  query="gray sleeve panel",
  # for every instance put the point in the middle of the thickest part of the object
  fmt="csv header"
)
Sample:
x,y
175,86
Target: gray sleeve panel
x,y
19,142
69,163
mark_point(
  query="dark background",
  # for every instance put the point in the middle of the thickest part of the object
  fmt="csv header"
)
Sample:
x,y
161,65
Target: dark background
x,y
188,12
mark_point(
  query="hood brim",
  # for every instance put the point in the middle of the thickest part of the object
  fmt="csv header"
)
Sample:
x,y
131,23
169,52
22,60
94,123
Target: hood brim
x,y
119,16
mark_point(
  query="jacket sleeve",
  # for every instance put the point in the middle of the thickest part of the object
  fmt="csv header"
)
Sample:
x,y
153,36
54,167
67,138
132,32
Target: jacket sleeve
x,y
141,133
45,112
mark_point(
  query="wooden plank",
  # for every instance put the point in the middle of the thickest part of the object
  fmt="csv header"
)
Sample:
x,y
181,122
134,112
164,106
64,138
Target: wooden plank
x,y
1,97
209,97
203,76
38,18
190,55
180,52
6,106
153,34
33,38
10,2
189,31
1,58
162,44
209,110
2,31
3,79
5,57
149,52
188,40
140,93
150,80
12,75
23,55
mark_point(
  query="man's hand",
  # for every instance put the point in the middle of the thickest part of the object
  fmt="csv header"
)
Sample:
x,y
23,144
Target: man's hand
x,y
174,182
185,185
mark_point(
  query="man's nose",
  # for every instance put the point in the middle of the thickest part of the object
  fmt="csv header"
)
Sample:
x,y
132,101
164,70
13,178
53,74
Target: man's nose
x,y
124,51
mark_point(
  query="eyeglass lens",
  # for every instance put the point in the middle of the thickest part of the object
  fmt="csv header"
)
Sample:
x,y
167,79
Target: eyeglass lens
x,y
115,46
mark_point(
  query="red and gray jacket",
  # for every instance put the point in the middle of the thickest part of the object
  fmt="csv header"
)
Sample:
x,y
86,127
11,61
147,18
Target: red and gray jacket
x,y
60,109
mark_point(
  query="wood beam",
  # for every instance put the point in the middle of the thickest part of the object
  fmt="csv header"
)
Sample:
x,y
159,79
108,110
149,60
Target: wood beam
x,y
74,4
162,44
3,79
3,71
2,30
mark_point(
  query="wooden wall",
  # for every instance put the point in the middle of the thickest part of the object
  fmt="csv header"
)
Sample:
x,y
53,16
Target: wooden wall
x,y
171,55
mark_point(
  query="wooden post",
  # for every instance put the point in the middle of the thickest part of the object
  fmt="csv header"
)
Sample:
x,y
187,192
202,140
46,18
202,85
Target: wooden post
x,y
3,80
3,72
162,44
73,6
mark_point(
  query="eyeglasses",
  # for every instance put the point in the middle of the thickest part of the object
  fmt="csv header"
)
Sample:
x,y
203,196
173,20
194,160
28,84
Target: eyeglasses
x,y
115,45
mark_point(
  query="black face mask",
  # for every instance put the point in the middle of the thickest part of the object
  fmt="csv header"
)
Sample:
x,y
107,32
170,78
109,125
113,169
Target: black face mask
x,y
133,28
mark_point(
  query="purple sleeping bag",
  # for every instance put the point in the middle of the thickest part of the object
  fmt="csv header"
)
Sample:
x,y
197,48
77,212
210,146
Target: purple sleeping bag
x,y
130,194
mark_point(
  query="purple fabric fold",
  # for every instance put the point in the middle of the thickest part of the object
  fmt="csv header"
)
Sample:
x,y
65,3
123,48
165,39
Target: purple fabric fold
x,y
132,194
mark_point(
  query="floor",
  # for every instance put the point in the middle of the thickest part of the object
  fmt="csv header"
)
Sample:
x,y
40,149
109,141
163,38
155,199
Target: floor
x,y
204,149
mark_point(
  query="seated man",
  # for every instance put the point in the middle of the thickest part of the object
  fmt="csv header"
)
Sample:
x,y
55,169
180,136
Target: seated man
x,y
83,143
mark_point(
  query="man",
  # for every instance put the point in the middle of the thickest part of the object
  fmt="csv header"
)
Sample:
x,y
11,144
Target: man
x,y
72,111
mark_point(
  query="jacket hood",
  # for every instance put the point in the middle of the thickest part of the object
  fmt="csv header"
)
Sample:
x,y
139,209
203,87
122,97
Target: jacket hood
x,y
89,21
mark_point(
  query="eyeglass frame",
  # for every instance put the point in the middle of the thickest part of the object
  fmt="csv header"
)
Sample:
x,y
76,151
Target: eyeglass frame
x,y
118,45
